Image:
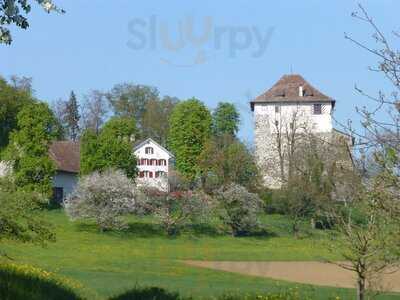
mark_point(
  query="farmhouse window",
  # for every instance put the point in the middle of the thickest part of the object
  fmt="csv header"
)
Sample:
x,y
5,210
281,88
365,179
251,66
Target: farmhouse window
x,y
151,174
317,109
141,174
162,162
149,150
160,174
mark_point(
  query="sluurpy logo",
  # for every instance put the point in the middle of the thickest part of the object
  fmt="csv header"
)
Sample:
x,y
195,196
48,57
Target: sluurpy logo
x,y
155,34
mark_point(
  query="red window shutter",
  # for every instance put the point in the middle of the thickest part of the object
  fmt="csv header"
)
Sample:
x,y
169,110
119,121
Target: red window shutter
x,y
151,174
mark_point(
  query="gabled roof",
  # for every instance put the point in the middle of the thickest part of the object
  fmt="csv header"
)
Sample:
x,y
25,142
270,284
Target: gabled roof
x,y
142,143
287,90
66,155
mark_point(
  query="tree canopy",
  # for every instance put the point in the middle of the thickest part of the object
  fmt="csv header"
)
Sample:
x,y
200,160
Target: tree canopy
x,y
14,12
17,216
226,160
225,119
12,99
111,148
28,148
130,100
144,104
190,128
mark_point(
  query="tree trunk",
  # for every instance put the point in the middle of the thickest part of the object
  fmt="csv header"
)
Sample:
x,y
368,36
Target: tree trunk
x,y
295,228
313,225
361,288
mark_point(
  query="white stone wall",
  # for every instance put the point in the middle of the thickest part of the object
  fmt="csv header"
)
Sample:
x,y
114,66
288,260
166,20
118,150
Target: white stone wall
x,y
159,153
289,116
303,112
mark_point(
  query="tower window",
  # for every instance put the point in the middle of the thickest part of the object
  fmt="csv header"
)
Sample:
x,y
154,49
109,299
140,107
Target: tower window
x,y
276,123
317,109
277,109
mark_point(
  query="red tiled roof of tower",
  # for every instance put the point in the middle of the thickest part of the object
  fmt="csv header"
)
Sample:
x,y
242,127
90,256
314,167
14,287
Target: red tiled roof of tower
x,y
287,90
66,155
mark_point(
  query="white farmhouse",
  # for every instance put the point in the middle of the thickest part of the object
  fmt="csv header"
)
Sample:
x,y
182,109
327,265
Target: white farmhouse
x,y
292,105
65,155
153,162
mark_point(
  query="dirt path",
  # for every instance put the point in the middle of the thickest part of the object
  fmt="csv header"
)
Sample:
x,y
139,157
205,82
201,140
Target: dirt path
x,y
315,273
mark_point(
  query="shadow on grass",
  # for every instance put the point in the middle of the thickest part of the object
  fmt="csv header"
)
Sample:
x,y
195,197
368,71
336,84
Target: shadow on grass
x,y
151,293
140,229
203,229
134,229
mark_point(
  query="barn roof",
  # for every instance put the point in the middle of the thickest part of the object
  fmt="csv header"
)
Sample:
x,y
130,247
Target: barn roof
x,y
66,155
287,90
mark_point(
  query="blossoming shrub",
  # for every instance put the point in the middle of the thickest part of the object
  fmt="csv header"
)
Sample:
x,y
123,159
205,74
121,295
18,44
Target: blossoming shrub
x,y
174,210
22,282
238,209
103,197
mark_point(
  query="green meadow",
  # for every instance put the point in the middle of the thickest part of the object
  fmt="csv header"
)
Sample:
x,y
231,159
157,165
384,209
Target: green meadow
x,y
110,263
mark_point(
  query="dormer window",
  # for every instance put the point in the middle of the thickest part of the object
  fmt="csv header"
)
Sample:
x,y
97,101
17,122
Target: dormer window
x,y
317,109
149,150
302,91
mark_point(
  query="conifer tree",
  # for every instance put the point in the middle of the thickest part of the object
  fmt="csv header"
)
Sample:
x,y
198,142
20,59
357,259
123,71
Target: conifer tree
x,y
72,117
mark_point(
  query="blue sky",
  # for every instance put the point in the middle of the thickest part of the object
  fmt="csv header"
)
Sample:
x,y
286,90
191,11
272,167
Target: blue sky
x,y
97,44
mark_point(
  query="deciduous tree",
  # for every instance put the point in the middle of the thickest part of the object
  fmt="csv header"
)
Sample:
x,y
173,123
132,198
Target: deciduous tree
x,y
13,12
226,160
190,128
226,119
28,148
18,216
111,148
103,197
156,119
130,100
12,99
94,111
238,209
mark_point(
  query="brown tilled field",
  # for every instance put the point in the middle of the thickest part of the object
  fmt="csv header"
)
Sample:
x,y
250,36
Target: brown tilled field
x,y
315,273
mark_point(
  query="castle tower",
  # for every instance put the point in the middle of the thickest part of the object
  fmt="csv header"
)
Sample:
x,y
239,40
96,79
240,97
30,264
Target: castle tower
x,y
290,107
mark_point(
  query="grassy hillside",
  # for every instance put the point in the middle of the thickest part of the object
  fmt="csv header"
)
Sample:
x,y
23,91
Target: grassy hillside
x,y
110,263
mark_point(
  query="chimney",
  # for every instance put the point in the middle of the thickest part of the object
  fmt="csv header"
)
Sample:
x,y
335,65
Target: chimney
x,y
301,92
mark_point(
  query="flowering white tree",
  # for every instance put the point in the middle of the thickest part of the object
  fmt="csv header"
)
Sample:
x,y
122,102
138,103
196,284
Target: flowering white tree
x,y
104,197
238,209
174,210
